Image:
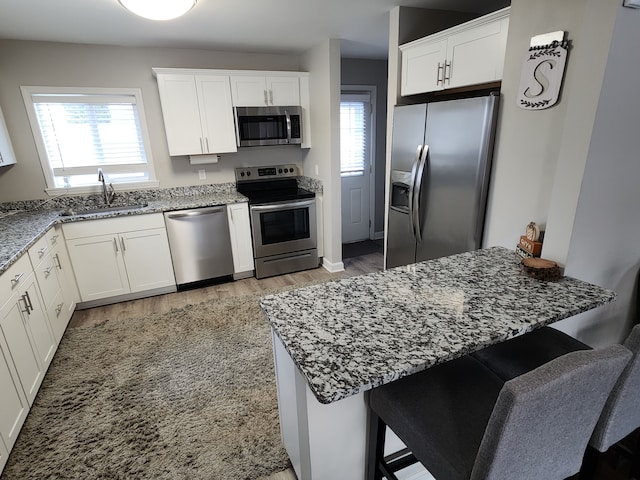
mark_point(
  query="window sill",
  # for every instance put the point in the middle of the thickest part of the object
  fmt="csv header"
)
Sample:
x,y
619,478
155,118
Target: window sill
x,y
97,189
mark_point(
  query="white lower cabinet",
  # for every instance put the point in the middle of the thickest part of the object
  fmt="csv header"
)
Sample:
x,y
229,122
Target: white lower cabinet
x,y
113,257
240,233
4,455
26,330
14,403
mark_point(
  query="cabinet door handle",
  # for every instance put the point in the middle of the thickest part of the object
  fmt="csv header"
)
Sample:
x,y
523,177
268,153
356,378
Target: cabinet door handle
x,y
445,77
440,68
42,251
15,280
124,248
201,145
271,96
26,305
115,243
206,140
231,216
47,271
59,309
28,302
54,239
266,100
57,259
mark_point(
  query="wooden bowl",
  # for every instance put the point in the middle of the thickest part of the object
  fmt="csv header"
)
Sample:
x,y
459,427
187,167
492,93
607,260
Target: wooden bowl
x,y
541,268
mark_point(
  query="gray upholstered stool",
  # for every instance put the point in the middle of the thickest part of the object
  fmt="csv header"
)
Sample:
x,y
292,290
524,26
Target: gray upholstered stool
x,y
621,414
462,422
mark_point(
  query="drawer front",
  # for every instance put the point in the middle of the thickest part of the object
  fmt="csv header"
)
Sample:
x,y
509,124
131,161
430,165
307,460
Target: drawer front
x,y
47,275
59,315
39,250
110,226
14,277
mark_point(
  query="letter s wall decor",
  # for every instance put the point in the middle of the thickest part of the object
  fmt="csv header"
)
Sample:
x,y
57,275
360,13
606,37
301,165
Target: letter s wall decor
x,y
543,71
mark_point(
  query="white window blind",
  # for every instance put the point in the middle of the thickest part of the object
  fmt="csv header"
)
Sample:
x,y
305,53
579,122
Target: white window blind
x,y
83,132
354,116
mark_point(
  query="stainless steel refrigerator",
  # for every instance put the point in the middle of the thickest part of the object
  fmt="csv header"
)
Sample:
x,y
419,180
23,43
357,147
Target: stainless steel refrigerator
x,y
440,167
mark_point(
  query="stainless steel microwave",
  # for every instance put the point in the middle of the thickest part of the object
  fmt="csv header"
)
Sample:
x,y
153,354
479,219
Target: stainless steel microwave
x,y
256,126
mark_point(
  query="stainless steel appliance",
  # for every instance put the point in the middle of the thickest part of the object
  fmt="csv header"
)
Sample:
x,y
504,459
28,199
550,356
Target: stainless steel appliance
x,y
200,244
283,219
256,126
440,165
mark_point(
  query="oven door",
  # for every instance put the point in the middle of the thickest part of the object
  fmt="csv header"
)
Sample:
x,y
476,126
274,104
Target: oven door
x,y
283,227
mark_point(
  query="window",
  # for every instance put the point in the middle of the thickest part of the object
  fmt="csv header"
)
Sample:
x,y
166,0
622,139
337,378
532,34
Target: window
x,y
78,131
354,117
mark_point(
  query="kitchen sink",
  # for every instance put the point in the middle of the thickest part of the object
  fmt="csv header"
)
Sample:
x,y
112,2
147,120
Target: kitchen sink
x,y
105,209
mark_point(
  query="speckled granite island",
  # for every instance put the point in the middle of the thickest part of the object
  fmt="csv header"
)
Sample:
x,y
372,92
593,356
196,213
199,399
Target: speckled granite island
x,y
334,341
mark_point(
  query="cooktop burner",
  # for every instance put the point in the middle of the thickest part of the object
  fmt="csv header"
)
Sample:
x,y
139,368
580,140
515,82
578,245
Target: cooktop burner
x,y
270,184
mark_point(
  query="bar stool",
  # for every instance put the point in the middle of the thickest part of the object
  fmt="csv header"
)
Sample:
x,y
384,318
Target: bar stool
x,y
462,422
621,414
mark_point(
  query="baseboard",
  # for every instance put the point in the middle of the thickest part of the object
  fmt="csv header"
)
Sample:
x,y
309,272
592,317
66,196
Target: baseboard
x,y
332,267
125,298
378,235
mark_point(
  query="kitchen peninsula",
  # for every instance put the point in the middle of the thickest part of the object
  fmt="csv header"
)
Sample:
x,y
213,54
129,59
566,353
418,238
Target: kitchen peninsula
x,y
334,341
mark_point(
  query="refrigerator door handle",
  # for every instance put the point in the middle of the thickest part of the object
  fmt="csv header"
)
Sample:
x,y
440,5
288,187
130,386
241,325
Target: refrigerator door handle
x,y
412,191
415,217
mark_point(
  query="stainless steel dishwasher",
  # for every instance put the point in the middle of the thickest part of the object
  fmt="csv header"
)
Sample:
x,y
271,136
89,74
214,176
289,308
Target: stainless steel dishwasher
x,y
200,244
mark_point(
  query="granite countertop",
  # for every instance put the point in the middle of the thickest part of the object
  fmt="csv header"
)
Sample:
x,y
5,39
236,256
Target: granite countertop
x,y
20,229
351,335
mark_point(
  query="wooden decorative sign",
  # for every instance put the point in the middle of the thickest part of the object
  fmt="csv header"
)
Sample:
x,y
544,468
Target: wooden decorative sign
x,y
543,71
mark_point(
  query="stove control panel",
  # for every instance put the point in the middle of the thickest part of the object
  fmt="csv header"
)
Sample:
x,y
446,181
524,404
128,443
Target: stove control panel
x,y
245,174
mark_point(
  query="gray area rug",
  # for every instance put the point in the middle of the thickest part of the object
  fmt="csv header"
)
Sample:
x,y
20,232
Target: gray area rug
x,y
185,395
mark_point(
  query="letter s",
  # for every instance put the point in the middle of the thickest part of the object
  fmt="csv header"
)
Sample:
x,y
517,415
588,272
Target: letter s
x,y
540,78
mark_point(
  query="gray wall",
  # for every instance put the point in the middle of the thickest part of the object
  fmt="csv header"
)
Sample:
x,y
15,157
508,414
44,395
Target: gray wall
x,y
604,246
59,64
372,72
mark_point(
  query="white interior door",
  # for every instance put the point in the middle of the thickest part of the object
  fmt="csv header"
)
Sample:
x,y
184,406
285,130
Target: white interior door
x,y
355,165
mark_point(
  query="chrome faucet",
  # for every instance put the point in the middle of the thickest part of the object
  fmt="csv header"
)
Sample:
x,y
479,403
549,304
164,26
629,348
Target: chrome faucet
x,y
108,192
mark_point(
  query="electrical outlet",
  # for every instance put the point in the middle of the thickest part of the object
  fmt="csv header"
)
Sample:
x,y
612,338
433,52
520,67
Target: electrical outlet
x,y
202,174
317,170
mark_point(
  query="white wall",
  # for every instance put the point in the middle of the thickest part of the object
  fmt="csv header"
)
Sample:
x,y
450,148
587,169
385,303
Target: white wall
x,y
604,247
59,64
539,155
322,161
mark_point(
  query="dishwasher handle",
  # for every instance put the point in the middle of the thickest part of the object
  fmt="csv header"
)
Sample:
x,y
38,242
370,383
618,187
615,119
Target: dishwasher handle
x,y
196,212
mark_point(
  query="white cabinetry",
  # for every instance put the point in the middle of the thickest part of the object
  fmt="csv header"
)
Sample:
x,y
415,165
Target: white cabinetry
x,y
241,244
14,403
197,112
468,54
55,279
7,157
262,90
24,326
120,256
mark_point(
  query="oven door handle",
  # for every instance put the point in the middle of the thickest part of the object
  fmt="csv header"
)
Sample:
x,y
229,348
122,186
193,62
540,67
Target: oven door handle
x,y
282,206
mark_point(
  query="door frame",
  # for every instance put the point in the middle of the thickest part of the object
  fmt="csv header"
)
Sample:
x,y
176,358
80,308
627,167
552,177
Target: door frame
x,y
372,91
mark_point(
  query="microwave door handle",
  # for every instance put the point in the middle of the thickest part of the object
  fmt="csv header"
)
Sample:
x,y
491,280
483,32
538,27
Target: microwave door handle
x,y
288,117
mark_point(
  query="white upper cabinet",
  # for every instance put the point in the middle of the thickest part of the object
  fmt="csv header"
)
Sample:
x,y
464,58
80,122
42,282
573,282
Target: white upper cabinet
x,y
198,114
265,90
7,157
468,54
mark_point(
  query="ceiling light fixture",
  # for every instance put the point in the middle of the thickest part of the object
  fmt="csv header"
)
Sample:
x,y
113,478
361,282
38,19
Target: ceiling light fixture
x,y
158,9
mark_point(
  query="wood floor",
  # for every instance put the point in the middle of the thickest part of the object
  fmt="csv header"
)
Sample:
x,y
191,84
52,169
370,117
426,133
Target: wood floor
x,y
368,263
357,265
